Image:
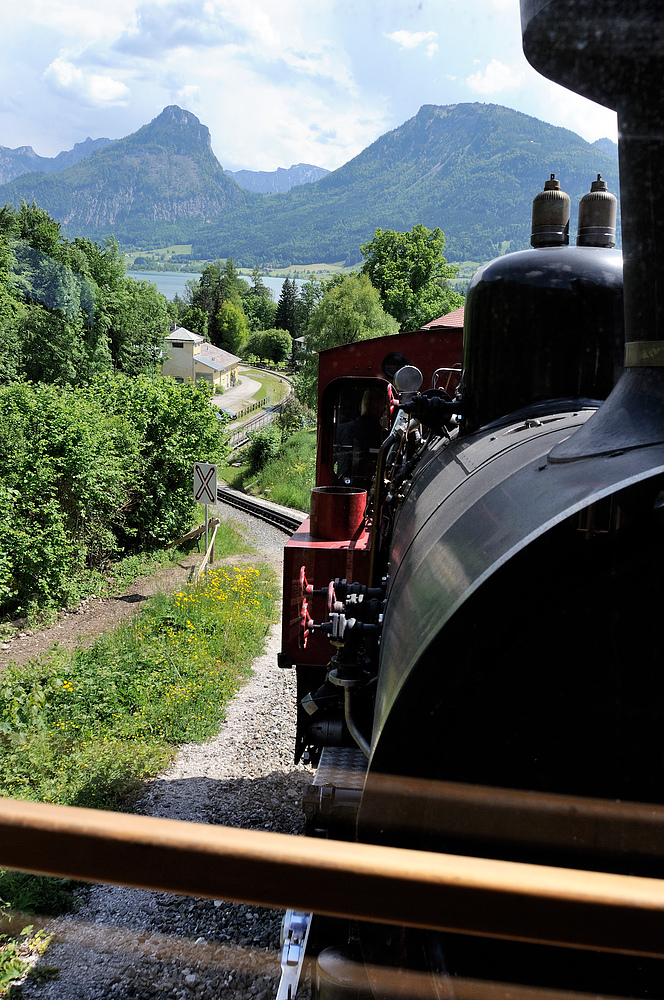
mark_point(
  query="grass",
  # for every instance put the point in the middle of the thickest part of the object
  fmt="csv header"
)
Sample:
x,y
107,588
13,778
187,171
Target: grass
x,y
120,575
308,270
288,479
86,727
16,952
272,388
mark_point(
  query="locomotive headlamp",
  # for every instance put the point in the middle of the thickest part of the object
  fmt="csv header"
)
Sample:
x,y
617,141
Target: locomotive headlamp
x,y
408,380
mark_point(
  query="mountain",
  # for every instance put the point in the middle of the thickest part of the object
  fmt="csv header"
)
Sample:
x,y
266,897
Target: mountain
x,y
23,159
276,181
607,146
471,169
161,181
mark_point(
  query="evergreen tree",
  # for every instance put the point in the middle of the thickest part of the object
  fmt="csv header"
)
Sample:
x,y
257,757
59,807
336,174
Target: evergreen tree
x,y
258,303
286,316
258,285
230,283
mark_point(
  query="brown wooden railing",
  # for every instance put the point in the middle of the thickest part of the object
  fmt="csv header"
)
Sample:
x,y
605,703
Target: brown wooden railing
x,y
534,903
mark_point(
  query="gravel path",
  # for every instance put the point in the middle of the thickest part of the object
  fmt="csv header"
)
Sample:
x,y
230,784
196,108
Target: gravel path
x,y
133,943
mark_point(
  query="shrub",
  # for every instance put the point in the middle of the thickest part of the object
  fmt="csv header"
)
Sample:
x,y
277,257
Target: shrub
x,y
88,472
263,447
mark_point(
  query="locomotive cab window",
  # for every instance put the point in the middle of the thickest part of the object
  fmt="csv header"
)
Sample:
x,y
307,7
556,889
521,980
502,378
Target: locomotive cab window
x,y
356,414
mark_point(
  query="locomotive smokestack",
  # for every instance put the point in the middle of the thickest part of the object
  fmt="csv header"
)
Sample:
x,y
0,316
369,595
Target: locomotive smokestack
x,y
598,213
613,53
551,208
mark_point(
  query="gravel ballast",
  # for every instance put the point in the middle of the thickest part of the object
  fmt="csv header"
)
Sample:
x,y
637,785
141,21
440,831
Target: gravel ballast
x,y
134,943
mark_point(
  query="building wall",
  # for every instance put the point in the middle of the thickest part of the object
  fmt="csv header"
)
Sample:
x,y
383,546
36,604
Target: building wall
x,y
183,365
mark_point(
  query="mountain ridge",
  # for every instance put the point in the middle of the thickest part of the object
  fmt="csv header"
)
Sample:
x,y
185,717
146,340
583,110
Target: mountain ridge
x,y
470,169
279,180
23,159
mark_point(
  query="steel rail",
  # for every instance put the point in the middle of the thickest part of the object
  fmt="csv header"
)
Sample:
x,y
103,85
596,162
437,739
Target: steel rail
x,y
579,909
278,517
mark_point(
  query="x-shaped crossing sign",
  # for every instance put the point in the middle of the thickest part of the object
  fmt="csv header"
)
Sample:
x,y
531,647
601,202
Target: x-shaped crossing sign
x,y
205,482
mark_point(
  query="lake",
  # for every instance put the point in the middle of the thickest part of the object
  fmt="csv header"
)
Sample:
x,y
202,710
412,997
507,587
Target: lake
x,y
172,283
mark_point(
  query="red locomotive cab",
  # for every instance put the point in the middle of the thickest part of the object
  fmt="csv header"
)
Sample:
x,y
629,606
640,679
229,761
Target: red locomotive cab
x,y
357,406
355,420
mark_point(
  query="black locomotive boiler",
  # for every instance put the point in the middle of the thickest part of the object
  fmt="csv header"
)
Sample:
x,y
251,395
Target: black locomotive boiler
x,y
503,635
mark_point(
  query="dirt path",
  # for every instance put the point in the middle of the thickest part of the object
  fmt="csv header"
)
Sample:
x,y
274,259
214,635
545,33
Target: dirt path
x,y
95,615
81,626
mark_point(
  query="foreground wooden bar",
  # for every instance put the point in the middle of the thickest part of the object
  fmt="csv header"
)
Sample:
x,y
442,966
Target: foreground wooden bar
x,y
469,895
495,815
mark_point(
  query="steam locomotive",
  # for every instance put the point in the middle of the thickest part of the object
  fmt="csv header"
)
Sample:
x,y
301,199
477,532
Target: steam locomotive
x,y
474,608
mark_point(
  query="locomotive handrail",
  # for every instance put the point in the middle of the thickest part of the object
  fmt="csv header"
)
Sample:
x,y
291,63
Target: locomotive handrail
x,y
533,903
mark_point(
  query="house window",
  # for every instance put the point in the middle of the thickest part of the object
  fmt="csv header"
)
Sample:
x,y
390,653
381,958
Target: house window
x,y
176,343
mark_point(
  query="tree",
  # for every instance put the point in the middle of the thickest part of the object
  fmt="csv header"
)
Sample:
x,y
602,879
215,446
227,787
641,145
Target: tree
x,y
231,330
349,311
137,320
311,292
230,283
411,273
286,317
276,344
258,303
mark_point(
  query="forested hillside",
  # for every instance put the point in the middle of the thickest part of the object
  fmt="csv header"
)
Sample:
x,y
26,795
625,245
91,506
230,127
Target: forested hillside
x,y
470,169
158,184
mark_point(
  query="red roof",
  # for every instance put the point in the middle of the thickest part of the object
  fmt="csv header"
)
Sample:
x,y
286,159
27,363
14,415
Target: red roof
x,y
453,319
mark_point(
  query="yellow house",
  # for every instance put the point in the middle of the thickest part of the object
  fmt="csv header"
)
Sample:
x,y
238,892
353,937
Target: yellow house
x,y
191,359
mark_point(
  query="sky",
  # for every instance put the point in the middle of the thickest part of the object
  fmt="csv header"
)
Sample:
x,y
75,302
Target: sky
x,y
277,82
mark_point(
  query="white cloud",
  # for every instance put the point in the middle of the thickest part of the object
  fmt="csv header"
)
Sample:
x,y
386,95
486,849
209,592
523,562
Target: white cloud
x,y
95,88
432,48
562,107
496,77
411,39
79,19
190,92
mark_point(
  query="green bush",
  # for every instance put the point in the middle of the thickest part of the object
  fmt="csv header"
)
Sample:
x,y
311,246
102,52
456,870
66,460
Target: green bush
x,y
91,472
263,447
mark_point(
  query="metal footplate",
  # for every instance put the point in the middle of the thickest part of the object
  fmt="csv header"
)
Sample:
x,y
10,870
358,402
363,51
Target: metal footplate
x,y
294,935
331,803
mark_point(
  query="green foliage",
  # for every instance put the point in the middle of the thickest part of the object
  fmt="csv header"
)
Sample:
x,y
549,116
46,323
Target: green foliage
x,y
258,303
36,893
293,416
410,273
269,345
289,477
67,311
349,311
91,471
85,727
286,317
231,330
263,446
135,319
15,954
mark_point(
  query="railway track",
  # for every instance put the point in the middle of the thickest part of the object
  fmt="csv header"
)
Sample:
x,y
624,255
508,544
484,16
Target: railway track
x,y
283,518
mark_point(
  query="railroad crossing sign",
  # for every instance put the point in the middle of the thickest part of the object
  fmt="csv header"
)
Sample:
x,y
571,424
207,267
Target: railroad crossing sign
x,y
205,482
